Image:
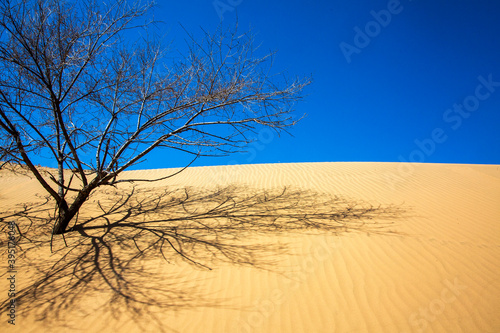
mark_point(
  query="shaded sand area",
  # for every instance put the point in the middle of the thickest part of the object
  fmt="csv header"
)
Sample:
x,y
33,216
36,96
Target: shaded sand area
x,y
309,247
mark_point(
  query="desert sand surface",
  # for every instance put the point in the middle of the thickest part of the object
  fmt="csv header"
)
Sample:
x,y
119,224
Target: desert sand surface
x,y
303,247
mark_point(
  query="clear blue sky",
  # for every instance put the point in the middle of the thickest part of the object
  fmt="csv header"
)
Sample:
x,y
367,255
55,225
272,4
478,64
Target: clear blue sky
x,y
409,80
376,93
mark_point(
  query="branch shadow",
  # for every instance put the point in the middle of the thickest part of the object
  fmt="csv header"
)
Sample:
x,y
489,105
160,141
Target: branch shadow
x,y
115,250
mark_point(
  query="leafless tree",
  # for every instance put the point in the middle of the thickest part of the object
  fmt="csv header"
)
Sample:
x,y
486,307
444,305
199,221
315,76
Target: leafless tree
x,y
76,86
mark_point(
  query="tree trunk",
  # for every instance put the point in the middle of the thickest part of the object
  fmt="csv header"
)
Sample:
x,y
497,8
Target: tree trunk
x,y
67,214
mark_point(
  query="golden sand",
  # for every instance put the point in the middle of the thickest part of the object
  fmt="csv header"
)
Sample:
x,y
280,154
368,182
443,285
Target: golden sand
x,y
426,260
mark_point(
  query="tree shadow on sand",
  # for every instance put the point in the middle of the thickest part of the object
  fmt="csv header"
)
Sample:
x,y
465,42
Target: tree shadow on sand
x,y
112,254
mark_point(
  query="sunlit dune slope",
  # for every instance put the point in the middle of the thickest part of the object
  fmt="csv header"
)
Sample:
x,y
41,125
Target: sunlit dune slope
x,y
306,247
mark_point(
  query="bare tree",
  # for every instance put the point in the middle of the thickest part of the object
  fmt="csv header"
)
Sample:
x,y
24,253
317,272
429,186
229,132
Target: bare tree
x,y
78,88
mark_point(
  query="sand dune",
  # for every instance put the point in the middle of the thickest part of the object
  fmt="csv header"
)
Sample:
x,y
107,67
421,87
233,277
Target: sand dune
x,y
426,260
